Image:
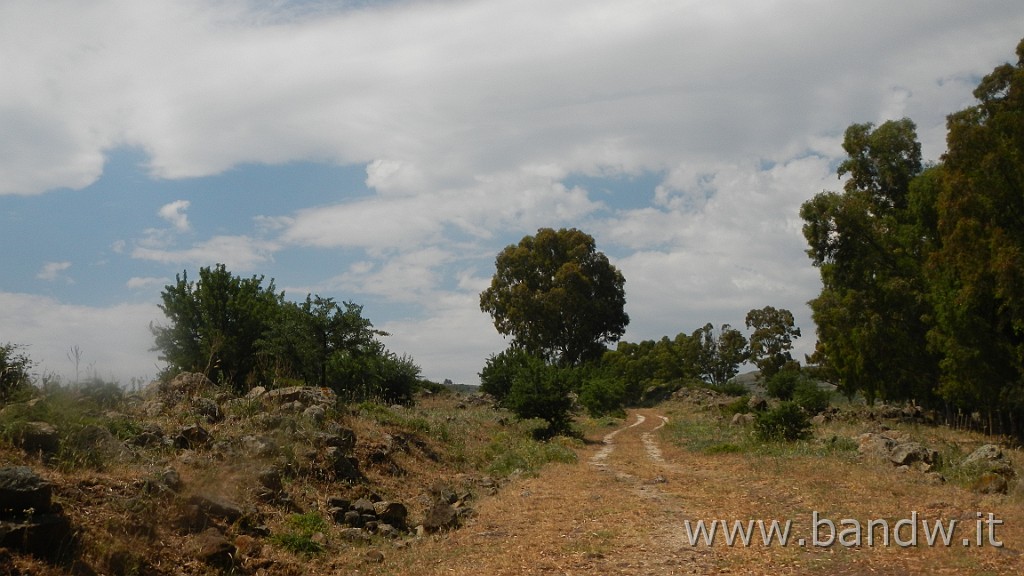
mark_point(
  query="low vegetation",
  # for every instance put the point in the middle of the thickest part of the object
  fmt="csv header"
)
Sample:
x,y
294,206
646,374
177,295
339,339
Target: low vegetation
x,y
158,469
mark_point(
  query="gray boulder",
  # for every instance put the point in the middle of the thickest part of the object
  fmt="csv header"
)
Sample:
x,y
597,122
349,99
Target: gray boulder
x,y
911,453
22,489
37,437
192,437
441,516
29,522
393,513
991,459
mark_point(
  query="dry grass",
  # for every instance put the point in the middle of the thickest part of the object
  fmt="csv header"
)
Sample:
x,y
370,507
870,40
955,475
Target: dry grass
x,y
629,518
553,514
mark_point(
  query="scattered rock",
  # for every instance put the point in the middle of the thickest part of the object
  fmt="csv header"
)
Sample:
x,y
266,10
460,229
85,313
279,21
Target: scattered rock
x,y
208,409
363,506
344,468
373,557
441,516
912,453
151,435
216,507
757,404
157,486
37,437
186,385
742,420
192,437
393,513
990,483
876,446
214,549
270,478
256,392
986,453
702,397
357,535
304,395
343,439
22,489
46,536
316,413
990,458
896,452
29,521
260,446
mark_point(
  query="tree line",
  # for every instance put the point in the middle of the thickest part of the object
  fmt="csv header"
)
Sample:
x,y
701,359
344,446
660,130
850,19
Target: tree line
x,y
242,333
561,303
922,266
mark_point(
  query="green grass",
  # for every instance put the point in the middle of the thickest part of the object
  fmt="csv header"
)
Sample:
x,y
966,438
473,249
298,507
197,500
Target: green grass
x,y
77,413
299,537
517,452
707,434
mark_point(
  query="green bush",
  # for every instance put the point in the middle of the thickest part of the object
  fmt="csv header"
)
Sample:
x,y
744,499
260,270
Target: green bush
x,y
787,422
603,396
14,372
740,405
732,388
811,397
500,370
782,384
542,391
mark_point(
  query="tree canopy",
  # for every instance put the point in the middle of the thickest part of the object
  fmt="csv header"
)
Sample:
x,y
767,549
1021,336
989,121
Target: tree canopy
x,y
774,330
922,268
557,296
241,333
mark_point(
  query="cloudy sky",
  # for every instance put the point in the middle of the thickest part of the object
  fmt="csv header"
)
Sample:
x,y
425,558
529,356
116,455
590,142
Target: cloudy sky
x,y
383,152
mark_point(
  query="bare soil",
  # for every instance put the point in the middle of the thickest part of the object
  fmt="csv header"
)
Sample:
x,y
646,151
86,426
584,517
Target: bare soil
x,y
622,508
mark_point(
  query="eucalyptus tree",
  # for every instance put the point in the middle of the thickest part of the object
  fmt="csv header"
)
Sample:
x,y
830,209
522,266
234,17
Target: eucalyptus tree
x,y
557,297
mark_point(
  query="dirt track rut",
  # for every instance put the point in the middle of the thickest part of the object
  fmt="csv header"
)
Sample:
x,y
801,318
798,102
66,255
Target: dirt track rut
x,y
606,514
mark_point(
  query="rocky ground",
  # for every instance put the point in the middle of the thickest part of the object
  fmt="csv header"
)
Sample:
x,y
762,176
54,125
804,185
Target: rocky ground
x,y
270,485
622,509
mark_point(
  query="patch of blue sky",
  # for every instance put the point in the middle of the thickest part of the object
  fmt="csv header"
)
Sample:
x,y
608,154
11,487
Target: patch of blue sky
x,y
619,191
91,227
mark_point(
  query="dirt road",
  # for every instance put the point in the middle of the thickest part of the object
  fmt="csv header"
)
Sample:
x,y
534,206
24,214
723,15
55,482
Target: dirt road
x,y
606,514
622,509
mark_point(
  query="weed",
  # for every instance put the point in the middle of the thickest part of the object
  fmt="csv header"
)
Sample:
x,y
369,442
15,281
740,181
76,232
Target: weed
x,y
732,388
738,406
300,538
787,422
723,448
510,453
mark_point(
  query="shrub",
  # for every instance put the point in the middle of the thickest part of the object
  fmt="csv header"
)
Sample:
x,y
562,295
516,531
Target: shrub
x,y
787,422
723,448
811,397
740,405
14,372
542,391
732,388
782,384
604,396
500,370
